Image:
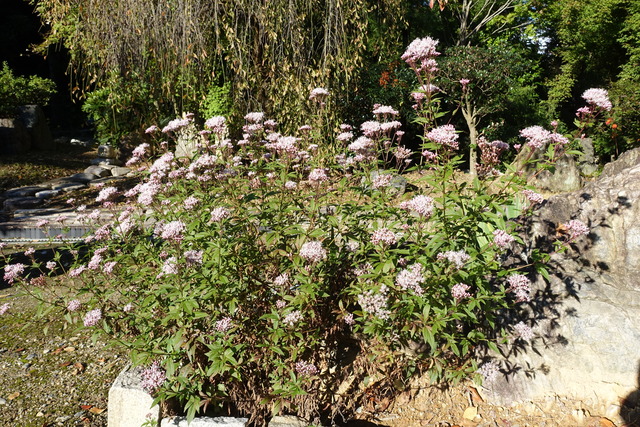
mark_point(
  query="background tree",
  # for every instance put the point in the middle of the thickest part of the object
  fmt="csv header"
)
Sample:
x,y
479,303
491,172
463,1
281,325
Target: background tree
x,y
487,82
153,60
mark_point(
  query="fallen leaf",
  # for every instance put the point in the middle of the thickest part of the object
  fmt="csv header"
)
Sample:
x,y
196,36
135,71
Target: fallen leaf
x,y
96,410
470,413
17,350
79,367
13,395
69,349
475,396
4,295
63,364
86,407
605,422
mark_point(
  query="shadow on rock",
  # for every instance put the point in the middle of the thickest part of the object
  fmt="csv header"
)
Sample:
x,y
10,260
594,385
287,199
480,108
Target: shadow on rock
x,y
630,407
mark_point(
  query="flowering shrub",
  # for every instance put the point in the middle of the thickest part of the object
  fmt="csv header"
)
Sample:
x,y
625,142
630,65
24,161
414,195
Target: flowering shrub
x,y
258,277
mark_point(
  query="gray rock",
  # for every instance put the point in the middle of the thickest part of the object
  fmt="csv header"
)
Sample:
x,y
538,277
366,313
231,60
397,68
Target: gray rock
x,y
107,151
72,187
107,180
46,194
14,137
587,162
22,203
24,191
397,186
120,171
33,118
565,176
62,140
98,171
81,143
3,401
204,422
102,161
82,177
587,327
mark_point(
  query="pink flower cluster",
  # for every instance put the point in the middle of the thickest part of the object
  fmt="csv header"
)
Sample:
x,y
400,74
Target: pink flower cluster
x,y
224,324
533,197
153,377
598,97
305,369
175,125
411,278
318,94
520,286
457,258
422,205
502,239
460,291
524,331
219,213
444,135
375,303
4,308
489,372
254,117
13,271
421,53
576,228
172,231
73,305
538,137
384,236
106,194
217,124
382,180
318,176
292,318
313,252
92,317
384,111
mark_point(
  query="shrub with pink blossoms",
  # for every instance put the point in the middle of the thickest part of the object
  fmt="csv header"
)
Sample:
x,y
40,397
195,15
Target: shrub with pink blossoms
x,y
240,277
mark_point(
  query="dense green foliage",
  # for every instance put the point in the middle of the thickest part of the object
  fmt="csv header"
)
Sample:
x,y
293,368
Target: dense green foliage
x,y
19,90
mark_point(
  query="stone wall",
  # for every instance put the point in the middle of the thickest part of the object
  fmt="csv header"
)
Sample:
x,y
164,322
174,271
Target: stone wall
x,y
587,318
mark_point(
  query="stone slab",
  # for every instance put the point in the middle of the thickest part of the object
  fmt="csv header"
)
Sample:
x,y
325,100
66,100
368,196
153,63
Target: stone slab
x,y
83,177
22,203
24,191
70,186
98,171
46,194
120,171
129,405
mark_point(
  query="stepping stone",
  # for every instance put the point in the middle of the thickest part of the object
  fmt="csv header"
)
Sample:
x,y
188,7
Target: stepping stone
x,y
83,177
24,191
111,180
22,203
98,171
46,194
100,161
72,187
120,171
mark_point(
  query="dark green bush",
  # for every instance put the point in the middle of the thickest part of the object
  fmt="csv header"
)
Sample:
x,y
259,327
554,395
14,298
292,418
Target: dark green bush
x,y
19,90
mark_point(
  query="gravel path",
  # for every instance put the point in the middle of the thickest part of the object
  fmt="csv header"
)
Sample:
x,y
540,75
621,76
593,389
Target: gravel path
x,y
57,378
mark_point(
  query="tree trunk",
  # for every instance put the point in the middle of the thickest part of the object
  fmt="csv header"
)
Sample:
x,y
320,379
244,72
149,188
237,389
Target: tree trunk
x,y
471,117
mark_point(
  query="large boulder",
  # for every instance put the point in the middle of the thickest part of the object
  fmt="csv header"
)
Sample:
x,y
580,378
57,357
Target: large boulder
x,y
587,316
33,118
14,137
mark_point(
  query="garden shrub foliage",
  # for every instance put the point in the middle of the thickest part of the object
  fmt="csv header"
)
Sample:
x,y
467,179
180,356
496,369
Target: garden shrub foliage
x,y
275,274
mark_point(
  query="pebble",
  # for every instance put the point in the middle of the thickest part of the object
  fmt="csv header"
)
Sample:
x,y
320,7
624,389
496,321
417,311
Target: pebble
x,y
3,401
